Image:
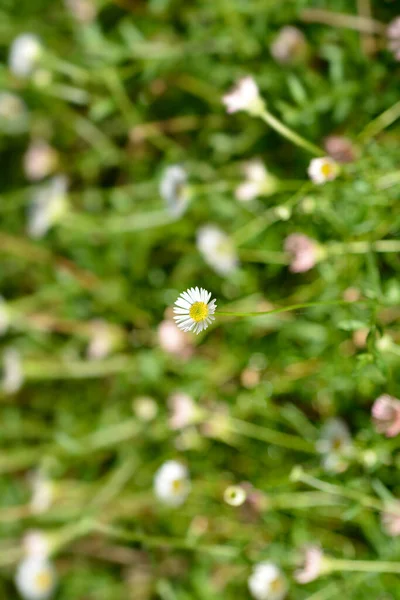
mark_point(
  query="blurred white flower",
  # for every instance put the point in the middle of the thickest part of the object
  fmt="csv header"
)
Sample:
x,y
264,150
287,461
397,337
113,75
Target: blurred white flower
x,y
24,54
311,564
335,446
194,311
182,410
84,11
390,518
145,408
40,160
393,35
35,578
171,483
258,182
173,340
245,95
102,340
289,46
303,252
49,204
42,493
36,543
386,415
217,249
174,190
323,169
235,495
14,115
13,376
267,582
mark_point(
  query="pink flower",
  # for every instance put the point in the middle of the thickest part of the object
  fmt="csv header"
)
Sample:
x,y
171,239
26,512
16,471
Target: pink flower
x,y
172,340
391,519
311,566
303,252
340,149
386,415
393,34
183,410
244,96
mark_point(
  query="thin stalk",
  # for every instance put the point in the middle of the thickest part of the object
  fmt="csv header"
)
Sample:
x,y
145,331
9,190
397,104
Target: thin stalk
x,y
289,134
286,308
369,566
381,122
271,436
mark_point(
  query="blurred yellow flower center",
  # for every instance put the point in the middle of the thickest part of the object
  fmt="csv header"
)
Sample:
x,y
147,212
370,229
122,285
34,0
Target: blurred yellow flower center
x,y
43,580
276,585
327,170
177,486
198,311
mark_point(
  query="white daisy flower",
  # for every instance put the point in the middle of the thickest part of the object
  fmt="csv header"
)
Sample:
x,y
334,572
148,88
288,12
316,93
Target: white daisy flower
x,y
36,543
289,46
194,311
35,578
14,116
267,582
245,95
103,339
171,483
335,446
174,190
40,160
13,376
24,54
322,170
217,249
235,495
258,182
49,204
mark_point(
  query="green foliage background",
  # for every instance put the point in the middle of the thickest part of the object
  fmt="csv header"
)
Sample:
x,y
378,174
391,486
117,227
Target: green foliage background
x,y
133,92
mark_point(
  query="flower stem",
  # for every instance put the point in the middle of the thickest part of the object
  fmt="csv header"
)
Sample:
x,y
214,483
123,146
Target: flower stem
x,y
369,566
271,436
289,134
286,308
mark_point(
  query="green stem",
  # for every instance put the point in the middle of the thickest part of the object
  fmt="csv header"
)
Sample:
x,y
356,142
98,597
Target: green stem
x,y
289,134
369,566
362,247
384,120
286,308
271,436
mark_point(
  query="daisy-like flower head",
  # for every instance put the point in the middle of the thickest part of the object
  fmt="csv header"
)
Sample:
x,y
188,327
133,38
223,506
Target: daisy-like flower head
x,y
311,564
235,495
386,415
35,578
258,182
303,252
36,543
174,190
289,46
13,376
194,311
49,204
217,249
40,159
24,54
390,519
171,483
335,446
267,582
322,170
245,95
14,116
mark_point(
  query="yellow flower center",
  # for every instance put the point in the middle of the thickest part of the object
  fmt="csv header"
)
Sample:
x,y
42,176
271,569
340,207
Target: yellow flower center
x,y
276,585
327,170
177,485
43,581
198,311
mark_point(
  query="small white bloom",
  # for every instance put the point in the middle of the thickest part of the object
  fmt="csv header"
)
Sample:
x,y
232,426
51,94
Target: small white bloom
x,y
42,493
335,446
171,483
311,564
235,495
49,204
267,582
145,408
258,182
13,376
183,410
323,169
194,311
35,578
289,46
217,249
102,340
36,543
40,160
14,115
174,190
244,96
24,54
